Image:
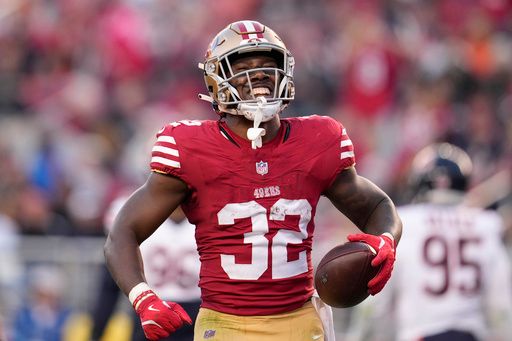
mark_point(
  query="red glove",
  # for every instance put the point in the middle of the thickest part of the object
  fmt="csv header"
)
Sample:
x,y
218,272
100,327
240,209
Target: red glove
x,y
385,247
159,318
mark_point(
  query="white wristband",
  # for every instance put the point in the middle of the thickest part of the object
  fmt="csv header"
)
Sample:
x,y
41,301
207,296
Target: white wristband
x,y
137,290
387,234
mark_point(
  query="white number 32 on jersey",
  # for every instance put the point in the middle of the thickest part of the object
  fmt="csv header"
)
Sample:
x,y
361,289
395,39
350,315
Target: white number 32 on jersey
x,y
281,267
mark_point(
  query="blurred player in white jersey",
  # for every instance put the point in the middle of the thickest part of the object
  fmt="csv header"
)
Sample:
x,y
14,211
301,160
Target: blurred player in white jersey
x,y
452,280
172,272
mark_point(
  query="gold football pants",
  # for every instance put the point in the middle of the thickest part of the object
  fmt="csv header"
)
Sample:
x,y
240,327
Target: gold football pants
x,y
302,324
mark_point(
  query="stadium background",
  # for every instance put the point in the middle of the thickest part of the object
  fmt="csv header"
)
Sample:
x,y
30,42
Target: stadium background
x,y
85,84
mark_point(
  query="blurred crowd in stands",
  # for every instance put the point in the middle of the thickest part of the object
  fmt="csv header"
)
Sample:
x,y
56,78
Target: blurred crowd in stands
x,y
85,85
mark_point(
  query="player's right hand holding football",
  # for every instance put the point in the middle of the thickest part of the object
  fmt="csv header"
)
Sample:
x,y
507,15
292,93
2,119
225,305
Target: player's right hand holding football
x,y
159,318
384,245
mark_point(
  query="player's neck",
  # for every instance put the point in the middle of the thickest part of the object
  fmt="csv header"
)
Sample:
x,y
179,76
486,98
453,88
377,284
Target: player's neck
x,y
239,125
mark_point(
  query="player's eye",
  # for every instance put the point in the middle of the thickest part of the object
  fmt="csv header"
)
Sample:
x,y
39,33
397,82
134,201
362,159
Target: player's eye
x,y
239,69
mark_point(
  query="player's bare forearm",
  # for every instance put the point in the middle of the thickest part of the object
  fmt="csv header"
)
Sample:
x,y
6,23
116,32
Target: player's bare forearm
x,y
365,204
141,215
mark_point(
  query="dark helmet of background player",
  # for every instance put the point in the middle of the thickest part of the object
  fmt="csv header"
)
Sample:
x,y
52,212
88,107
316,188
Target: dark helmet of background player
x,y
440,166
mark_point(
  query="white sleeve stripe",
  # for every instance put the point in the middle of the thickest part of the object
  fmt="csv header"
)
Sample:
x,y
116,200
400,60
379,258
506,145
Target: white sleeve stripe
x,y
344,131
165,138
224,135
345,155
346,143
166,150
165,161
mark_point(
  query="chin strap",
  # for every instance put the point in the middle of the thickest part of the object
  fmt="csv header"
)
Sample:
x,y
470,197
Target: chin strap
x,y
205,98
255,134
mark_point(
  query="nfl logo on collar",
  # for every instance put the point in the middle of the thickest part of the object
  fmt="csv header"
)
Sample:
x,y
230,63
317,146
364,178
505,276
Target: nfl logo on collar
x,y
262,167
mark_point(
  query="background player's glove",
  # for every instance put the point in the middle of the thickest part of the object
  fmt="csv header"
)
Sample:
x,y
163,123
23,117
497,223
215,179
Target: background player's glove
x,y
159,318
384,245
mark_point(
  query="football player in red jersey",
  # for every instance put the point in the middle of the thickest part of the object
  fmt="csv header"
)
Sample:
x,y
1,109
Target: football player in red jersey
x,y
250,182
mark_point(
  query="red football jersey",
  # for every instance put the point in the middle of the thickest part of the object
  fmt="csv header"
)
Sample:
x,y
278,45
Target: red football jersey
x,y
254,208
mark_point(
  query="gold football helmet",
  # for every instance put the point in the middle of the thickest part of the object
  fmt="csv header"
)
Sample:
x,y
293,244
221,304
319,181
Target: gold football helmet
x,y
232,42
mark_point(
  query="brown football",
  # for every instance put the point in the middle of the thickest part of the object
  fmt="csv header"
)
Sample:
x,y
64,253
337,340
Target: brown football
x,y
342,276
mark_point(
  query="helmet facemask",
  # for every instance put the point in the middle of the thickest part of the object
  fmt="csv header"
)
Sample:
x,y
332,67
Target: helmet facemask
x,y
282,91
